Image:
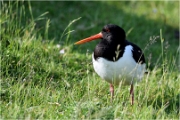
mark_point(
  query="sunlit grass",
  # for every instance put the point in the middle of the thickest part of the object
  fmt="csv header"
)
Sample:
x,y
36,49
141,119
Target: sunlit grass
x,y
40,82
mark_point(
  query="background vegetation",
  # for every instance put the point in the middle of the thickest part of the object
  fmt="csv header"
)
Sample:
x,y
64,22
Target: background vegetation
x,y
44,76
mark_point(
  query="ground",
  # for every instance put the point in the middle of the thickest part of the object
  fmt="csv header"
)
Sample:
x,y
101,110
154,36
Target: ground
x,y
45,76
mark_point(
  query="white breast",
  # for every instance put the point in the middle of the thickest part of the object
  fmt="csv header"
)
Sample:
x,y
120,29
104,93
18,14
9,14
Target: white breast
x,y
125,69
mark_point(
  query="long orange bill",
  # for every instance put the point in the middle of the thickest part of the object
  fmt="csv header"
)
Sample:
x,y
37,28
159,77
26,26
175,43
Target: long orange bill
x,y
94,37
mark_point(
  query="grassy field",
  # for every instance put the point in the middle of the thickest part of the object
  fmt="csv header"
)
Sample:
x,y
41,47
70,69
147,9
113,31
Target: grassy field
x,y
45,76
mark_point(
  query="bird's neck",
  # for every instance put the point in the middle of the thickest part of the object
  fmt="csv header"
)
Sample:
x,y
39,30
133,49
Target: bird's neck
x,y
109,50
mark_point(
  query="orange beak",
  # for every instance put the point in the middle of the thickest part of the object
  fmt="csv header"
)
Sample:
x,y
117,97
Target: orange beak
x,y
94,37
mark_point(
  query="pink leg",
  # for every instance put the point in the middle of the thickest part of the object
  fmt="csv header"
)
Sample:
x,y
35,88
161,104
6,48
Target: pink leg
x,y
132,94
112,91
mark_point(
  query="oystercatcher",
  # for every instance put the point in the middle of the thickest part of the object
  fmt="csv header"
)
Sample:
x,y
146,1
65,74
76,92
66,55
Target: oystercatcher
x,y
115,59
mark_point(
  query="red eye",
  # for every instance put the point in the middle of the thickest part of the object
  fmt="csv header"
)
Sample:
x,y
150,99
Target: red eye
x,y
107,30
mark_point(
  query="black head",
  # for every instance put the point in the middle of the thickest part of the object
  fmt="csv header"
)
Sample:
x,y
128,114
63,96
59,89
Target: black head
x,y
109,34
113,33
112,38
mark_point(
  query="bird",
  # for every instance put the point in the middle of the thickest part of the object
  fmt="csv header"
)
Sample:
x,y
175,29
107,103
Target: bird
x,y
115,59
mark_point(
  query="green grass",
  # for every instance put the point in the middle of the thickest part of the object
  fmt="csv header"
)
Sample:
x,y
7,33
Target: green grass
x,y
37,82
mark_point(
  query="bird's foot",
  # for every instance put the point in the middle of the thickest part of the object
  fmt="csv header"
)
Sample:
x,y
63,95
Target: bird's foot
x,y
112,92
132,94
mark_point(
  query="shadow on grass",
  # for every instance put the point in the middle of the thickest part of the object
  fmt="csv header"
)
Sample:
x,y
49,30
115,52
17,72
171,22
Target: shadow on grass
x,y
97,14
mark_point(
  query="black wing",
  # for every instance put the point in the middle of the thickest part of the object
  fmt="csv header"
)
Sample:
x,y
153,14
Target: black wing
x,y
137,53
